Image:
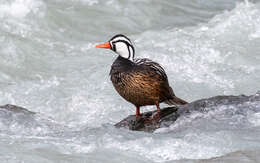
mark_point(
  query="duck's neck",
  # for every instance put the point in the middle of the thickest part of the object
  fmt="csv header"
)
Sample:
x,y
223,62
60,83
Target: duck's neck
x,y
122,64
124,60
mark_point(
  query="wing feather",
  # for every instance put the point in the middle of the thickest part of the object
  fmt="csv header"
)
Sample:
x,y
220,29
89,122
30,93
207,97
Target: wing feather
x,y
151,65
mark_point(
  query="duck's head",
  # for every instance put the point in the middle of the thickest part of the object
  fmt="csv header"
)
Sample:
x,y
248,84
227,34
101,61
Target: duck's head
x,y
121,45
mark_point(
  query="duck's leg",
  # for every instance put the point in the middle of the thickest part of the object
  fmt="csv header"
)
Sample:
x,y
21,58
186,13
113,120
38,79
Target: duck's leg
x,y
155,118
138,111
158,111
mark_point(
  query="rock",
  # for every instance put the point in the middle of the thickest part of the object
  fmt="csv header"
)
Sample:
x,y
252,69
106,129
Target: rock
x,y
143,123
16,109
170,115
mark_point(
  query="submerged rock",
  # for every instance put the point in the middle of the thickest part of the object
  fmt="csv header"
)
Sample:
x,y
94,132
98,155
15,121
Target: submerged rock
x,y
170,115
245,156
15,109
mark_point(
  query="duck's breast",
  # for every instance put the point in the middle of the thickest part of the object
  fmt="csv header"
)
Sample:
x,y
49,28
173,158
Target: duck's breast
x,y
140,87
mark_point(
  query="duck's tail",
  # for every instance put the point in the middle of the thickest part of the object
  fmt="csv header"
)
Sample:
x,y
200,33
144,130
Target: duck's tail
x,y
175,101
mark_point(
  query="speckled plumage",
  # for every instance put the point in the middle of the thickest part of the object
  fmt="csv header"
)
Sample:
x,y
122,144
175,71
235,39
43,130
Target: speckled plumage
x,y
140,83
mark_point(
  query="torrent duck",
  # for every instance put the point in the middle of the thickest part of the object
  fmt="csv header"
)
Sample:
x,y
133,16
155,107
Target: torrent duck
x,y
139,81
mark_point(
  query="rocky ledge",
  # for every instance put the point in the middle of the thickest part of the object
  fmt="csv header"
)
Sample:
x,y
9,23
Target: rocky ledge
x,y
170,114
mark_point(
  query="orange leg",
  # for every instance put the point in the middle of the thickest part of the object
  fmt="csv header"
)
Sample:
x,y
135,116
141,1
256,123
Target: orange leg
x,y
138,111
158,109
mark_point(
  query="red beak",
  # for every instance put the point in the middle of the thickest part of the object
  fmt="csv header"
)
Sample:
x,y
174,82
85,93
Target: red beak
x,y
105,45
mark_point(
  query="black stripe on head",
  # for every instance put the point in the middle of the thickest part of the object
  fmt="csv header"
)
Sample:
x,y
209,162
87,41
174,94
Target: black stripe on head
x,y
120,35
129,52
130,45
113,47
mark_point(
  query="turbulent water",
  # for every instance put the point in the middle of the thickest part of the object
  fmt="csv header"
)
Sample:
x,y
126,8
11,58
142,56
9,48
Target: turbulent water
x,y
49,65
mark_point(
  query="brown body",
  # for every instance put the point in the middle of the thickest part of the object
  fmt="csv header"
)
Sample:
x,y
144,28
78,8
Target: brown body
x,y
142,84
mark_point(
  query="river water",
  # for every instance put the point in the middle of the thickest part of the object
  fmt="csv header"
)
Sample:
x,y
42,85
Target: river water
x,y
48,64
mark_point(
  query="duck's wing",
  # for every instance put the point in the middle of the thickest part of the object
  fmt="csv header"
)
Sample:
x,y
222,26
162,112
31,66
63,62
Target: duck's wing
x,y
148,65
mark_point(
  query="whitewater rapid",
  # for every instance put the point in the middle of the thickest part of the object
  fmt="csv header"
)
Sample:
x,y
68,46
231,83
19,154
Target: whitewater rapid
x,y
48,64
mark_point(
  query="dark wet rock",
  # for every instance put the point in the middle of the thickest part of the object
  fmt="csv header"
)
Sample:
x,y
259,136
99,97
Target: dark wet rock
x,y
15,109
145,123
170,115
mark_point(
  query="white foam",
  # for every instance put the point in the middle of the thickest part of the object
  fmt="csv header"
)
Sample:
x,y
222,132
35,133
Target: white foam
x,y
55,70
88,2
20,8
255,119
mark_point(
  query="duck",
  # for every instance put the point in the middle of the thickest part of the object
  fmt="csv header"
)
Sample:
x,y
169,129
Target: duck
x,y
139,81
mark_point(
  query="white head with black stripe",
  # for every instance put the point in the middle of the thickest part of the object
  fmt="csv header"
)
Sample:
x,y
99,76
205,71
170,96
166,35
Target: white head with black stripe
x,y
121,45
